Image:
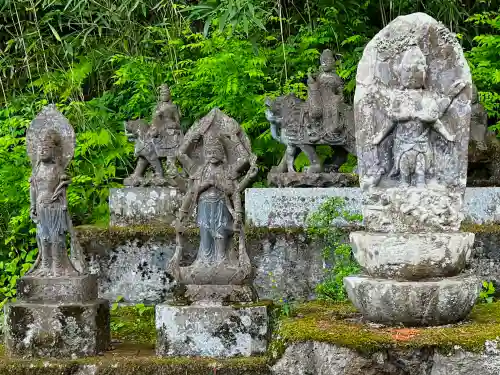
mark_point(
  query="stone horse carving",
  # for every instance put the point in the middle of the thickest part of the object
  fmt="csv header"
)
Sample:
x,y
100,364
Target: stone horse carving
x,y
324,119
156,142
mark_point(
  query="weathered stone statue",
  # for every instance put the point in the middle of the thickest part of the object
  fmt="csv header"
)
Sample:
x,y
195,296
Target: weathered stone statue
x,y
323,120
51,149
217,156
484,148
57,313
156,143
412,112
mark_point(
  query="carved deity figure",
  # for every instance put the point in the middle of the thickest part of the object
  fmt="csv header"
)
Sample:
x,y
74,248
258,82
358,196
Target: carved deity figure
x,y
413,112
325,95
156,142
51,143
219,172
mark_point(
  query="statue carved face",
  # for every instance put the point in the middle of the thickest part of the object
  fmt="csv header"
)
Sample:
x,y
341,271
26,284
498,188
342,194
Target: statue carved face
x,y
327,60
165,95
413,69
213,151
50,146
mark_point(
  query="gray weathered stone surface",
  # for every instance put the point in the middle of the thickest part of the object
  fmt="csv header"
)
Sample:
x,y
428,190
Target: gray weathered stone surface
x,y
316,358
211,330
413,303
306,180
62,330
412,256
289,207
143,206
285,265
81,288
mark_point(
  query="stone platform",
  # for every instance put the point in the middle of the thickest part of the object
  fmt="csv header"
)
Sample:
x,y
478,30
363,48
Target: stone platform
x,y
57,330
143,205
57,289
211,330
289,207
308,180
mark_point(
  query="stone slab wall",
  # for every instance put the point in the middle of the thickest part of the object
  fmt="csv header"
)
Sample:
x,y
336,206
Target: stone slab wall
x,y
131,262
289,207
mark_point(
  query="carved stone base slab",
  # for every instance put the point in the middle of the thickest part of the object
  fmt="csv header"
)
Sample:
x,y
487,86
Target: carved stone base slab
x,y
413,303
57,289
412,256
67,330
216,293
143,206
211,331
412,209
297,179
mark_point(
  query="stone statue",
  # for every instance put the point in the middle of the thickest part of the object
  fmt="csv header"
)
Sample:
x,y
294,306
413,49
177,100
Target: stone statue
x,y
412,114
324,119
156,143
484,148
412,110
50,143
217,156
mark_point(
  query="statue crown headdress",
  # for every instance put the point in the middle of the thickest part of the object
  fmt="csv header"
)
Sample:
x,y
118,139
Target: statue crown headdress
x,y
327,56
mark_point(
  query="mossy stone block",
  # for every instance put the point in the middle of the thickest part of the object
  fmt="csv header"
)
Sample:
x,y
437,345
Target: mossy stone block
x,y
211,330
57,330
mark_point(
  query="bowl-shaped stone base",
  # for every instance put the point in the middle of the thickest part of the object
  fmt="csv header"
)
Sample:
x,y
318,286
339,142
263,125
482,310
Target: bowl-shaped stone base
x,y
413,303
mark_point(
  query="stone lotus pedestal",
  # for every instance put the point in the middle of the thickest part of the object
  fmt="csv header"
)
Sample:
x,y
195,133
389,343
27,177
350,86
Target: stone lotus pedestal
x,y
57,317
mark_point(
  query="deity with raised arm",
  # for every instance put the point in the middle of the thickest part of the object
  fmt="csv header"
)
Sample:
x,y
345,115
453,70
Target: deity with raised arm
x,y
413,113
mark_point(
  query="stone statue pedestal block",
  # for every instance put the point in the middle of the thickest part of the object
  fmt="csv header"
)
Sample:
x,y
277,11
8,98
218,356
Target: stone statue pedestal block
x,y
143,206
57,289
308,180
412,256
211,330
413,303
57,330
218,293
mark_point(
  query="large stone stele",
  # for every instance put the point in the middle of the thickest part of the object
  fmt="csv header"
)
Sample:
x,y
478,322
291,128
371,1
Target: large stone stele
x,y
412,114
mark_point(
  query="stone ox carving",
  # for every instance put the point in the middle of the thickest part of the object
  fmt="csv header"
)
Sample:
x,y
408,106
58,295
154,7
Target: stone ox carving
x,y
412,112
156,143
324,119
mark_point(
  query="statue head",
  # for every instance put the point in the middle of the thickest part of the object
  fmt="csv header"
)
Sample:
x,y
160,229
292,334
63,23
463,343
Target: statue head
x,y
50,145
327,60
165,93
213,150
413,69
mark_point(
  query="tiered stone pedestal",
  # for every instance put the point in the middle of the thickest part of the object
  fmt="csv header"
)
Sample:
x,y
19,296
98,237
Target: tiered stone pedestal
x,y
212,328
412,259
57,317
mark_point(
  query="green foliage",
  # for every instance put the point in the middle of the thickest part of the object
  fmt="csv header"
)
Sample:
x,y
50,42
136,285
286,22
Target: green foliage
x,y
328,225
133,324
484,60
487,292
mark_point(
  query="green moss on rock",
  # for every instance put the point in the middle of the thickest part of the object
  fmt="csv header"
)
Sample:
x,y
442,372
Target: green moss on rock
x,y
340,324
133,325
136,360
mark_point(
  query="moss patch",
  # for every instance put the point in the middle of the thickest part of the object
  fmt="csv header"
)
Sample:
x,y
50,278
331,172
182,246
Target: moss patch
x,y
339,324
133,324
136,360
480,228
